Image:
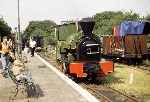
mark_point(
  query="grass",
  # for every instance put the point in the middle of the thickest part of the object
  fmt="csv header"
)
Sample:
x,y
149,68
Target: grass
x,y
50,54
146,63
140,87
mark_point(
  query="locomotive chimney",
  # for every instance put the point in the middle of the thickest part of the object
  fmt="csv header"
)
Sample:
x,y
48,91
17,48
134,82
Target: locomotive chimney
x,y
87,26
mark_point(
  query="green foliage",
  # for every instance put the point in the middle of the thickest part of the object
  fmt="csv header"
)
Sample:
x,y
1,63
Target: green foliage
x,y
4,28
70,41
106,20
148,17
66,30
68,35
41,28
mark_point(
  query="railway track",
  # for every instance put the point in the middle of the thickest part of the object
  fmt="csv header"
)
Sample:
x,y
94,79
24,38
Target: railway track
x,y
107,94
103,93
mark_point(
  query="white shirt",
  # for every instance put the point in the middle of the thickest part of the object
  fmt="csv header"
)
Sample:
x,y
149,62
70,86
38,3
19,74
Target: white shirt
x,y
32,44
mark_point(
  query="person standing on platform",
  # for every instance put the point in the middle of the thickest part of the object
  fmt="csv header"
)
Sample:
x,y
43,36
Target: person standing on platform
x,y
32,46
5,50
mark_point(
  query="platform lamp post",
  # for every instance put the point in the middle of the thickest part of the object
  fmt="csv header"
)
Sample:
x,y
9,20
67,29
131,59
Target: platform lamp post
x,y
16,39
19,32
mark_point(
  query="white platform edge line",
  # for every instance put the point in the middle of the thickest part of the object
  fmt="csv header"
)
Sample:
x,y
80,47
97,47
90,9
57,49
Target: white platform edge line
x,y
75,86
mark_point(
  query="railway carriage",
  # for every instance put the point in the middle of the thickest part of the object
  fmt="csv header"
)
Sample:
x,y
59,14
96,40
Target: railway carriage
x,y
129,42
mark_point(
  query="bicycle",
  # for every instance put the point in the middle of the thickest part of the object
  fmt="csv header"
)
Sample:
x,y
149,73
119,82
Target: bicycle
x,y
23,80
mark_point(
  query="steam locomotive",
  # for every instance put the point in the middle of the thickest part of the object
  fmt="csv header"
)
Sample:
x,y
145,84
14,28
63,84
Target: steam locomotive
x,y
82,58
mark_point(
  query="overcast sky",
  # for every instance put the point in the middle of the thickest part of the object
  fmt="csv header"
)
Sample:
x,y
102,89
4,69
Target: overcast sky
x,y
58,10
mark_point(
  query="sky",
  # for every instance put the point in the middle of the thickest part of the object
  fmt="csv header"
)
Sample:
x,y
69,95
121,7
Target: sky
x,y
59,10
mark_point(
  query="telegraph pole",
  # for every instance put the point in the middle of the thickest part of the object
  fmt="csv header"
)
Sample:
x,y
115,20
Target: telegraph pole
x,y
19,32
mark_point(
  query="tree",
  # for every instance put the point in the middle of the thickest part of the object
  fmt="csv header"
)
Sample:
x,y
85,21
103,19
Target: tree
x,y
4,28
106,20
41,29
34,26
147,17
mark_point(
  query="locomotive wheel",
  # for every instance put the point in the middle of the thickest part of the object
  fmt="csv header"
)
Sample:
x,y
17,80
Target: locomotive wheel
x,y
92,78
73,77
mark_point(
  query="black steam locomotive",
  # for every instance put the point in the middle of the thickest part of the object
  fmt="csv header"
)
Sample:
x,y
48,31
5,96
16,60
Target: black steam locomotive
x,y
84,58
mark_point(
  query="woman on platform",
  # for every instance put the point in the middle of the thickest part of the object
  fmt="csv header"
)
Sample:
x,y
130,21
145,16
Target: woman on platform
x,y
5,50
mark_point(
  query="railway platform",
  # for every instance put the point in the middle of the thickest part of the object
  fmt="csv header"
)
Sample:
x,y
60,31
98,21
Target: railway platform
x,y
52,85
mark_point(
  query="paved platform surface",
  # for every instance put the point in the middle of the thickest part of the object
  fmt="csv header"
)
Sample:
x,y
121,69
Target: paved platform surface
x,y
50,86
